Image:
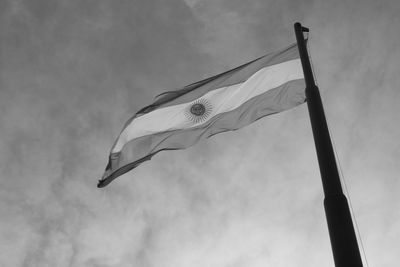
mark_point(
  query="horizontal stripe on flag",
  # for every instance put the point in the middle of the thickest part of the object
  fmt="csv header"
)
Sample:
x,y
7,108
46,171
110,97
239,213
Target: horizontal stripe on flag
x,y
138,150
220,100
234,76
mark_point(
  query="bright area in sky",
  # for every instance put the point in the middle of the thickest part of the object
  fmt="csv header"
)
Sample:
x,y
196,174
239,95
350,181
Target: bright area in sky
x,y
72,73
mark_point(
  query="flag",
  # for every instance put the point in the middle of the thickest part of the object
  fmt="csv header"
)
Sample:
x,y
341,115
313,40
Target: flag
x,y
224,102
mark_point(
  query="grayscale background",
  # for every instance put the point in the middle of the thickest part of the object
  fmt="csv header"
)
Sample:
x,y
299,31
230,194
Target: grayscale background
x,y
72,72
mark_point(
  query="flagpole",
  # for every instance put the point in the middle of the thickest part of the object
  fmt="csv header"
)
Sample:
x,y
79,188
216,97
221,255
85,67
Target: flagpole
x,y
341,230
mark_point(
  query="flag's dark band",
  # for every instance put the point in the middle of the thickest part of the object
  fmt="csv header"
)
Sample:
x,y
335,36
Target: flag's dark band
x,y
275,100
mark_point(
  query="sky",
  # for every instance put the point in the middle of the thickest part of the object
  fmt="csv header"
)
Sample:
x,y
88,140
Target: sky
x,y
71,74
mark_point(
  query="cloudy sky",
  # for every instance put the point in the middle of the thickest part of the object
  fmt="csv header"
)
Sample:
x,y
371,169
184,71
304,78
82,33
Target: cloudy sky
x,y
72,72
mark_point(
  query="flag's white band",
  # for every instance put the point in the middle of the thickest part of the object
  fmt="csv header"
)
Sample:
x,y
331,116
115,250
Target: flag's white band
x,y
222,100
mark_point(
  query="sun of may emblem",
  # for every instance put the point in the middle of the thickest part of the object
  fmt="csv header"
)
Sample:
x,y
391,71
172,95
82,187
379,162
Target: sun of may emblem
x,y
198,111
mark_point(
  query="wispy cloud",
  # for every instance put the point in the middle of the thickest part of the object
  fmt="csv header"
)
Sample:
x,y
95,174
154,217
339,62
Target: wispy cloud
x,y
72,72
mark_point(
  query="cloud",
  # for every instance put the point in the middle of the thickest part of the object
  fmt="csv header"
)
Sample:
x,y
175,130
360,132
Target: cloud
x,y
68,71
72,72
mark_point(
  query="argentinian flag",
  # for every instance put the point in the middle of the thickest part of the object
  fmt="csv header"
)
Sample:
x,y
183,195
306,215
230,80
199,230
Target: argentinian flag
x,y
225,102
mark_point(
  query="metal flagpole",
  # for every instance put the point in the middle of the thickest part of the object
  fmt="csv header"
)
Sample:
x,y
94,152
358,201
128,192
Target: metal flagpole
x,y
341,231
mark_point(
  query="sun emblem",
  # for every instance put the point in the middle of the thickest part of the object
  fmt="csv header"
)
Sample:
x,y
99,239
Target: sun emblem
x,y
199,110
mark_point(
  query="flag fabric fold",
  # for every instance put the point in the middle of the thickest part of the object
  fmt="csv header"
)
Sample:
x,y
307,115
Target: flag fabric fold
x,y
225,102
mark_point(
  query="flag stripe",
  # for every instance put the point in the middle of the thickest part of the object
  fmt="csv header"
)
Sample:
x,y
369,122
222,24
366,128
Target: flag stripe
x,y
285,96
231,77
221,100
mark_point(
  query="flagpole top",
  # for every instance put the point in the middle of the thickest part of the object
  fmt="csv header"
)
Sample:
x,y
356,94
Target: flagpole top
x,y
303,29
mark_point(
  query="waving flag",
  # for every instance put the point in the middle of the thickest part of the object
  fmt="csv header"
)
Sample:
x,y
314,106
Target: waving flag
x,y
225,102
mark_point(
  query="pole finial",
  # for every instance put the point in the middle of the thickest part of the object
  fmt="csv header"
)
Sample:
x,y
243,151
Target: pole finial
x,y
303,29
